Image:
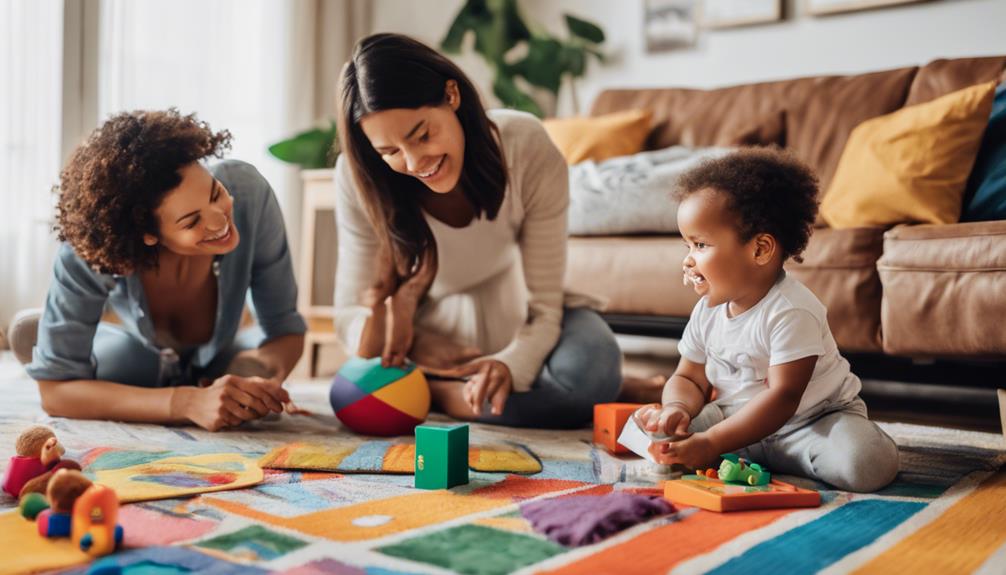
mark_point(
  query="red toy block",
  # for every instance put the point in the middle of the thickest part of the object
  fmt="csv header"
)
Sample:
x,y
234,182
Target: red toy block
x,y
609,419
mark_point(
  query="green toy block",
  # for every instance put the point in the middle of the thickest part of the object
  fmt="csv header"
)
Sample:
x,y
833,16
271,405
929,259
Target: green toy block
x,y
441,456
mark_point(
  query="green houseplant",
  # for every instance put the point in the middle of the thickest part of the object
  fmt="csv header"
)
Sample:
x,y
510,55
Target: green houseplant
x,y
547,60
310,149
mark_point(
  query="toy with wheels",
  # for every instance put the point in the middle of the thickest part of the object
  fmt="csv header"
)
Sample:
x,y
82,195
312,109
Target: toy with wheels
x,y
94,528
735,469
383,401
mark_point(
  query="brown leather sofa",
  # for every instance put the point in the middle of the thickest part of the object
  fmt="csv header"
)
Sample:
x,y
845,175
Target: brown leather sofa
x,y
915,291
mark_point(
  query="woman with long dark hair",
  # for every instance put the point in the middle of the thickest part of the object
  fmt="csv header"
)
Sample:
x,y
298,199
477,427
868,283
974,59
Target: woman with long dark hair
x,y
452,245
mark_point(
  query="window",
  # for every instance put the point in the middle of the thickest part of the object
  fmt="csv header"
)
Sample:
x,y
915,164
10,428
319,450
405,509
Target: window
x,y
230,61
31,54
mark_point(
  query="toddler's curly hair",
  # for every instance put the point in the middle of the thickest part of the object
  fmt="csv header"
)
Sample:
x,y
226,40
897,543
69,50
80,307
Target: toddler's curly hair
x,y
767,190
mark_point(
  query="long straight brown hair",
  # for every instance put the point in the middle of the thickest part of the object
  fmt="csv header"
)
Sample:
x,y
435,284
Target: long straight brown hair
x,y
392,71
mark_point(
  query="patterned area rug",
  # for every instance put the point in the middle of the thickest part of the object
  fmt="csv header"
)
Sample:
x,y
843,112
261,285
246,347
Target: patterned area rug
x,y
943,515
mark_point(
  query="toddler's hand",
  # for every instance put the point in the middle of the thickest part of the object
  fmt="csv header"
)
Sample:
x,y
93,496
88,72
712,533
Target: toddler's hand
x,y
695,452
671,419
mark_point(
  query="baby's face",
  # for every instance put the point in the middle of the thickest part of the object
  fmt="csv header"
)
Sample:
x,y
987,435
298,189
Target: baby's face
x,y
718,264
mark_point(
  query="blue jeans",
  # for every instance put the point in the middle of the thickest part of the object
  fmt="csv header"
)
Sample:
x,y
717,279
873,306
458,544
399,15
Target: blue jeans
x,y
122,358
584,368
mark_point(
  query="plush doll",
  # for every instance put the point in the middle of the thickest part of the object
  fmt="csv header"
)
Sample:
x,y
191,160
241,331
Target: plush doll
x,y
38,457
65,486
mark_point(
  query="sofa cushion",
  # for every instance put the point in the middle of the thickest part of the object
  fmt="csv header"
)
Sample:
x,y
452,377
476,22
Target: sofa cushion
x,y
943,290
818,113
940,77
635,274
839,266
818,126
911,165
985,198
601,137
767,130
699,118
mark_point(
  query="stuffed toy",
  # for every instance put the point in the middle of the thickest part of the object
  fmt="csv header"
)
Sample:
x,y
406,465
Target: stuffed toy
x,y
38,456
65,486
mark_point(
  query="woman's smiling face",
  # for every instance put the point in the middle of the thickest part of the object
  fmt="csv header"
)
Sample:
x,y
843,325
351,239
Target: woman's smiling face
x,y
196,217
426,143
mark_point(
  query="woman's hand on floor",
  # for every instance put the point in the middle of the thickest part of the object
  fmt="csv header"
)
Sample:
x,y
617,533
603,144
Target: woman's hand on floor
x,y
485,379
232,400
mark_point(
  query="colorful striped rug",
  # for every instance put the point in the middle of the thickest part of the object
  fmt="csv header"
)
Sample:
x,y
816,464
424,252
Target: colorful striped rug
x,y
946,513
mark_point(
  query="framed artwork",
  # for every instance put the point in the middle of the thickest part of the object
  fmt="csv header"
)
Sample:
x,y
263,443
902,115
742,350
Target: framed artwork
x,y
823,7
670,24
731,13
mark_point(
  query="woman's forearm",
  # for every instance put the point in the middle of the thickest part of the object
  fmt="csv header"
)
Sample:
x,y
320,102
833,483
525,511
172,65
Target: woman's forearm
x,y
373,337
94,399
281,354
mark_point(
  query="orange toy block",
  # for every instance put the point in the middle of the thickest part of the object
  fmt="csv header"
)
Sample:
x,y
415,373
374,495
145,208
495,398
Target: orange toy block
x,y
609,419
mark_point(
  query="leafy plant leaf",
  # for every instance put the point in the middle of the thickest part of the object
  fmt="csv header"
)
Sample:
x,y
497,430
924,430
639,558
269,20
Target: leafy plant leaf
x,y
311,149
544,64
499,27
574,60
583,29
597,54
462,23
512,97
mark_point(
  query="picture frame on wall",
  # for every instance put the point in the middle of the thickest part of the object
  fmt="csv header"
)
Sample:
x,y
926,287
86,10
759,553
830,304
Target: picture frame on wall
x,y
826,7
670,24
733,13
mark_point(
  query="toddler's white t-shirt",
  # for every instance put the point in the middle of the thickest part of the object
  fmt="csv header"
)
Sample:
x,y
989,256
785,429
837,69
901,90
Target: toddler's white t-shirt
x,y
788,324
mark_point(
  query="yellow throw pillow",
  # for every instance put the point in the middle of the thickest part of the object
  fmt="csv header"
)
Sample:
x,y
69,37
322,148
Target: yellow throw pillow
x,y
910,165
600,137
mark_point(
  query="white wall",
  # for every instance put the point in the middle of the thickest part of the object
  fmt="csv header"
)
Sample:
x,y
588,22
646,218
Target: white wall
x,y
800,45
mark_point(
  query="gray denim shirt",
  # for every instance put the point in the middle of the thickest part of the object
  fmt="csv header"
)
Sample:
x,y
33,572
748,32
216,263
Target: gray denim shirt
x,y
78,294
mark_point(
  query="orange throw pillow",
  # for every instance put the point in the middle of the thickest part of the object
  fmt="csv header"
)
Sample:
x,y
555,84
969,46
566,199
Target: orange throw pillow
x,y
910,166
599,138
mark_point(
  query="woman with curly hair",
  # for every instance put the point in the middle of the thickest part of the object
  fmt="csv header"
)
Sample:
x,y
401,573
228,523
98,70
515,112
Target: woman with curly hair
x,y
464,212
172,247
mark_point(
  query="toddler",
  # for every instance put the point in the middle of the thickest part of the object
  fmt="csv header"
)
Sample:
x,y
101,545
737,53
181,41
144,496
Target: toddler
x,y
785,398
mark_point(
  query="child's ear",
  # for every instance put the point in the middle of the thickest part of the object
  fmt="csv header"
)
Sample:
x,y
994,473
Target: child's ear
x,y
765,248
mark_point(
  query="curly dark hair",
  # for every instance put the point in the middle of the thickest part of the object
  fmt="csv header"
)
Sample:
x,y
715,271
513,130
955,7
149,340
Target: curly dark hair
x,y
767,189
117,178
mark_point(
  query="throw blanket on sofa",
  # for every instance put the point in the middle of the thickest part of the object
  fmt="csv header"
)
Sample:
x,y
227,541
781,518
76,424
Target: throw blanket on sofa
x,y
631,194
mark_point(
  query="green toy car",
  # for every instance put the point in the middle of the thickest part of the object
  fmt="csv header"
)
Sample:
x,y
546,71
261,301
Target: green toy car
x,y
734,469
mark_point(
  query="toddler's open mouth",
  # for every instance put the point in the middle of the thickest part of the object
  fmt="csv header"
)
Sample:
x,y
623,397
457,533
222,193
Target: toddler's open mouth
x,y
695,279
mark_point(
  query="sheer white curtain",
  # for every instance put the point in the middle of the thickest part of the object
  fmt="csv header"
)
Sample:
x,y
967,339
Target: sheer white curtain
x,y
31,45
244,65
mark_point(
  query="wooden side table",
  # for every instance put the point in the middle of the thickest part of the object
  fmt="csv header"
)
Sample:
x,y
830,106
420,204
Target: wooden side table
x,y
316,274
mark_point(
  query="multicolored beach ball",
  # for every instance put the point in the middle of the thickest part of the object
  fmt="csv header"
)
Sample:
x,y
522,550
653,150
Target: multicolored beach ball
x,y
375,400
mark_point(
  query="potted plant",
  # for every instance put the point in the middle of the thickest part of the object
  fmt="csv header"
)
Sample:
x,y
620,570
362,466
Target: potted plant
x,y
499,28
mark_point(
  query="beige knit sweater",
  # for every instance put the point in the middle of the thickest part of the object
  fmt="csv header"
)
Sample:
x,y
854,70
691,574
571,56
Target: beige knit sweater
x,y
499,284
